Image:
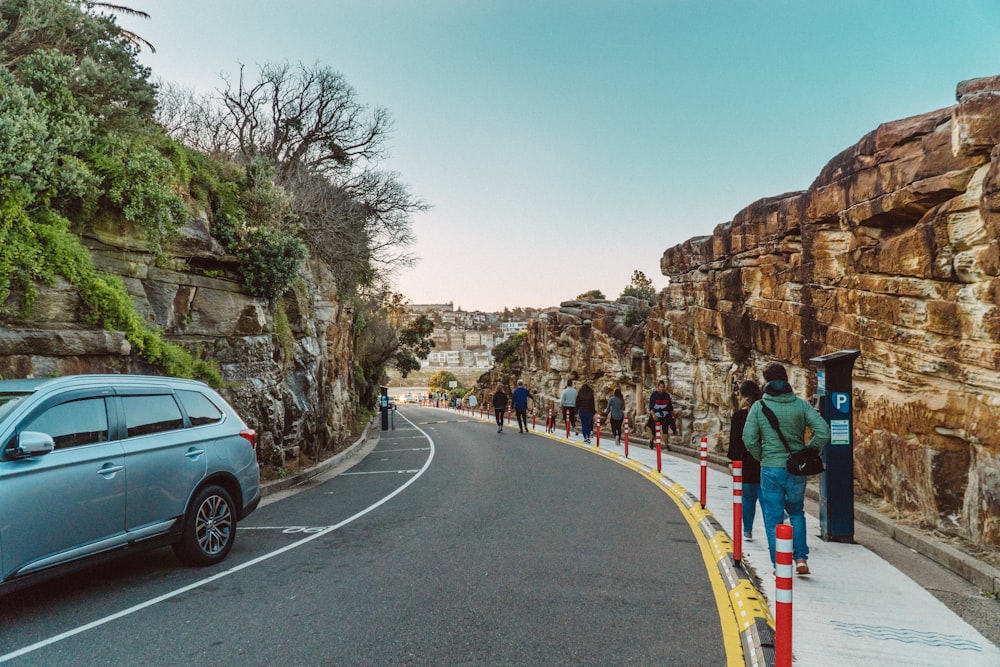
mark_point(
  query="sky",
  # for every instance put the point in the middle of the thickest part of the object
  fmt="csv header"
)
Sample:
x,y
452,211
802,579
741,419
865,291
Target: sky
x,y
564,144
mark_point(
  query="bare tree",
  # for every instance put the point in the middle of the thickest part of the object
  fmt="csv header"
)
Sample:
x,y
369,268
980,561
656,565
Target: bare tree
x,y
302,117
324,145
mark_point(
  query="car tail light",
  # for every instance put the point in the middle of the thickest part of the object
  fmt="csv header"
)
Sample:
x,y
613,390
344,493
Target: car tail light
x,y
251,436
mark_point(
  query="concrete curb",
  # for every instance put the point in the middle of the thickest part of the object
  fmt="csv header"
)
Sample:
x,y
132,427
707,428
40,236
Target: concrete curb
x,y
268,488
982,575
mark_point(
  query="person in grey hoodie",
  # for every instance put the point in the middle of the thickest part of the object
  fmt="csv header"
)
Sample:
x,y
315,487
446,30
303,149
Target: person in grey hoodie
x,y
780,491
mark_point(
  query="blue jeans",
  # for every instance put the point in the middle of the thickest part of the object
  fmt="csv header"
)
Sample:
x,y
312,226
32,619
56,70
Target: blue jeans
x,y
750,495
586,424
782,493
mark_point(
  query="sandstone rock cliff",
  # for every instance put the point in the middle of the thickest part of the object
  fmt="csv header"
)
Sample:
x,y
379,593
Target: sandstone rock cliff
x,y
893,251
293,387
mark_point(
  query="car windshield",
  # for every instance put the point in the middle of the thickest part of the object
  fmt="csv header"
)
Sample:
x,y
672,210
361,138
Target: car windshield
x,y
9,400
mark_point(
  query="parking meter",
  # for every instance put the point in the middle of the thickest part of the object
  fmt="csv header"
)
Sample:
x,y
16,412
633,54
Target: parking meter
x,y
834,386
384,406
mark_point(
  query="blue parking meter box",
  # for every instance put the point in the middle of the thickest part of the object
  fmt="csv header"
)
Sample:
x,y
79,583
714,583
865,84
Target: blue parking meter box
x,y
383,404
834,387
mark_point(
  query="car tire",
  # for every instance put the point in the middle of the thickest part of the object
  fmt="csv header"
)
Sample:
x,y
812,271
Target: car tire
x,y
209,528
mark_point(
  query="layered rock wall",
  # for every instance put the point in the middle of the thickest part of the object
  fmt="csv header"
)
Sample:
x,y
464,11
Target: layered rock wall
x,y
893,251
293,385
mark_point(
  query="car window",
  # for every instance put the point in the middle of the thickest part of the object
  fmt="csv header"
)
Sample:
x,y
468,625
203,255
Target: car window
x,y
9,401
199,407
151,414
74,423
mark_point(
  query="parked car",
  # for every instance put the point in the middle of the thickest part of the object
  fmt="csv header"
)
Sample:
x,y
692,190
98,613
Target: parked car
x,y
95,464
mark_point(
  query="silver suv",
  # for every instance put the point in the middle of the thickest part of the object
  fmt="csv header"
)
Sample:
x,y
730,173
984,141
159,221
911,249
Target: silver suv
x,y
90,464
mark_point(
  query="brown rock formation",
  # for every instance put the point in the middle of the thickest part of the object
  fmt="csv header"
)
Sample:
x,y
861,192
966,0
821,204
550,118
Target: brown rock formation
x,y
293,388
892,251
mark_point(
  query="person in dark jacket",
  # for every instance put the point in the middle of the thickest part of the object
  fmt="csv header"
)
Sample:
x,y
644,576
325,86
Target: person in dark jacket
x,y
586,408
520,401
616,410
749,394
661,410
500,406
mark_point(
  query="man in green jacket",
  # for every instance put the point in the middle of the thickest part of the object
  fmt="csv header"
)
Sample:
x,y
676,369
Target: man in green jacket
x,y
780,491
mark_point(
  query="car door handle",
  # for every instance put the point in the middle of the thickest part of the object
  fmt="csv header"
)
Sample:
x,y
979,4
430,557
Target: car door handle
x,y
109,470
194,453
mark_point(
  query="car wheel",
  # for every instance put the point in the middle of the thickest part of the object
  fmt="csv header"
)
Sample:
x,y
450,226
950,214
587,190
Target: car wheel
x,y
209,528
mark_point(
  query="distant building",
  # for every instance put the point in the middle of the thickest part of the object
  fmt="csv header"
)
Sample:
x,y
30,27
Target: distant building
x,y
508,329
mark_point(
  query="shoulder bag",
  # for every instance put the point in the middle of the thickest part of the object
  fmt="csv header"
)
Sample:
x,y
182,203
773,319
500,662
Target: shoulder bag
x,y
806,461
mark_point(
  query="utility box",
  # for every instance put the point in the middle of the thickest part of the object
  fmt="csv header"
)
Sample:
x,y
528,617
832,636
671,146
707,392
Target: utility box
x,y
383,403
835,389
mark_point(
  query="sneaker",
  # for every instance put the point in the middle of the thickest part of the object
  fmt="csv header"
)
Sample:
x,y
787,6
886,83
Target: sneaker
x,y
801,567
748,536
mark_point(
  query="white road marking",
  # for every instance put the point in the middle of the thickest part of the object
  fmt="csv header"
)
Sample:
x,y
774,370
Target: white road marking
x,y
215,577
381,472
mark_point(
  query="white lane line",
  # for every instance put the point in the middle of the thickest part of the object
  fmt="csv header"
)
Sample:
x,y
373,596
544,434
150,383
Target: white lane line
x,y
412,449
380,472
215,577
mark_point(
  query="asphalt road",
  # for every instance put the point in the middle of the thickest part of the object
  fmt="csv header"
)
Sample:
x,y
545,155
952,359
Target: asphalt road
x,y
448,544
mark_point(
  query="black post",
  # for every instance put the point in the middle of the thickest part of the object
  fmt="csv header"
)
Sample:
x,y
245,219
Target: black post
x,y
384,405
834,385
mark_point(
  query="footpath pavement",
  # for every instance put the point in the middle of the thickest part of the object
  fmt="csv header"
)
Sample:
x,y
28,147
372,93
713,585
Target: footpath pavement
x,y
854,609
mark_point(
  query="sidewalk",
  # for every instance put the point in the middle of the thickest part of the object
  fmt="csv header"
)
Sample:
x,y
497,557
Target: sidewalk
x,y
855,609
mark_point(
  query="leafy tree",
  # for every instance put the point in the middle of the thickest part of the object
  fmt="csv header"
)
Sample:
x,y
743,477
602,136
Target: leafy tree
x,y
591,295
441,381
641,287
414,344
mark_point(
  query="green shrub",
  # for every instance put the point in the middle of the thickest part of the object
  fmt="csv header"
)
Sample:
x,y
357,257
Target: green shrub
x,y
269,261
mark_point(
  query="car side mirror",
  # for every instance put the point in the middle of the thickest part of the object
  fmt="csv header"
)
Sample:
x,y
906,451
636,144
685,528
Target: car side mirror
x,y
32,443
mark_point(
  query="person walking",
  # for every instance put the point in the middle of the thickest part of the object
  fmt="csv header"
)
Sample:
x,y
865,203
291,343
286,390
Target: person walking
x,y
520,399
749,394
586,407
780,491
499,406
567,404
616,411
661,411
473,402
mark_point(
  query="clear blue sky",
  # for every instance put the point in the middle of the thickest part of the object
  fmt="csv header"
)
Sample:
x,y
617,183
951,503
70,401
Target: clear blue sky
x,y
565,143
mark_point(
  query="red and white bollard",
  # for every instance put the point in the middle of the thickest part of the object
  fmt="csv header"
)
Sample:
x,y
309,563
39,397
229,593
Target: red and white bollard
x,y
625,433
550,426
659,439
533,412
508,415
597,427
737,511
704,472
783,596
566,419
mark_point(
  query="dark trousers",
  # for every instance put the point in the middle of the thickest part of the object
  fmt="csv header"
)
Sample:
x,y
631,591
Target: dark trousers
x,y
522,418
499,413
571,413
616,427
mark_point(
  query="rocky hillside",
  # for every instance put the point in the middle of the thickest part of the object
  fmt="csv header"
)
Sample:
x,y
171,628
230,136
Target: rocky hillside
x,y
893,250
291,383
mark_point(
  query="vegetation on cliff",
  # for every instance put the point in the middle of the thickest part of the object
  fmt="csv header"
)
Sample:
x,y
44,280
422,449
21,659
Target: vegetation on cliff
x,y
284,167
